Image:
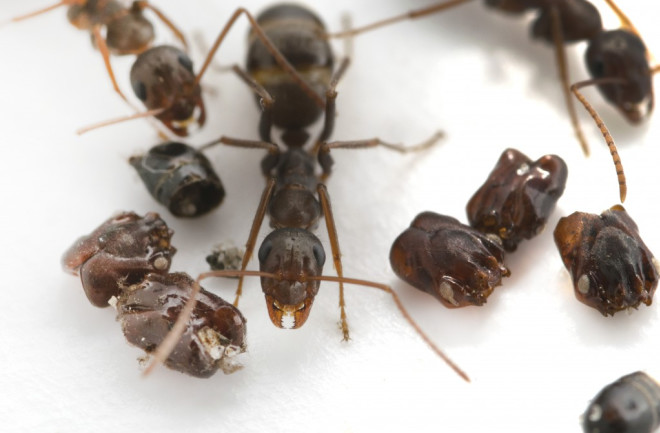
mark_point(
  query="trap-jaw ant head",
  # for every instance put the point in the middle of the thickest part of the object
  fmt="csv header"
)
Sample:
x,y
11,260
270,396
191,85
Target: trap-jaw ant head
x,y
611,267
181,178
118,253
629,405
293,255
212,338
163,79
311,55
621,56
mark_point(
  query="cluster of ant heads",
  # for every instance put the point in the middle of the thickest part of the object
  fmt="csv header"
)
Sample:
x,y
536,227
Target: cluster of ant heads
x,y
125,263
610,266
460,264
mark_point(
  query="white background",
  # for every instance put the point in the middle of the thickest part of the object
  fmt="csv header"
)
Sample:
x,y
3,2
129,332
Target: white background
x,y
535,355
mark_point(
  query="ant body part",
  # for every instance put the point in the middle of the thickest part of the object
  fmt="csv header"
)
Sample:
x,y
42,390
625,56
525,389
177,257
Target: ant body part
x,y
125,263
618,60
291,257
461,265
631,404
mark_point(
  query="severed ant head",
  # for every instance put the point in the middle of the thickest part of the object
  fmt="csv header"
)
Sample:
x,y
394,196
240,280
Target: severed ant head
x,y
163,79
621,55
292,255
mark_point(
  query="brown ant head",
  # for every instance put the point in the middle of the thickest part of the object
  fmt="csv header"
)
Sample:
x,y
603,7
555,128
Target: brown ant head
x,y
294,206
622,56
163,78
293,255
131,33
84,15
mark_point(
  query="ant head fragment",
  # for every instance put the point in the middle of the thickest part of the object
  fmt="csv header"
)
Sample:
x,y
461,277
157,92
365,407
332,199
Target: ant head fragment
x,y
163,78
622,56
611,267
214,334
120,252
449,260
629,405
181,178
518,197
291,254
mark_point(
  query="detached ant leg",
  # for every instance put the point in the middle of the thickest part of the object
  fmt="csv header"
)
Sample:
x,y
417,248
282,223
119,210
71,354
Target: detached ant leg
x,y
410,15
141,5
560,53
266,102
336,253
603,129
279,58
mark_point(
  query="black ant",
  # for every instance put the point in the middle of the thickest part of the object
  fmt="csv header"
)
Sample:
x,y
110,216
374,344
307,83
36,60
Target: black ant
x,y
125,262
618,60
291,257
631,404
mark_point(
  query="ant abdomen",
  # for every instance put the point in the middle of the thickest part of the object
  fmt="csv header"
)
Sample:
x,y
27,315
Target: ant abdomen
x,y
298,35
621,56
118,253
455,263
215,334
181,178
629,405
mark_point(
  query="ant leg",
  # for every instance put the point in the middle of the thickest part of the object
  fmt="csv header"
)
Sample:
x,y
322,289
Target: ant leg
x,y
103,48
626,24
560,53
410,15
279,58
330,106
325,160
141,5
403,312
254,231
46,9
267,164
336,254
266,103
621,176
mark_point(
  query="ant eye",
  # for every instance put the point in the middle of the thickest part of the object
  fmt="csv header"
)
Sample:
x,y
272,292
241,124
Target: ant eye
x,y
185,61
140,90
319,254
264,250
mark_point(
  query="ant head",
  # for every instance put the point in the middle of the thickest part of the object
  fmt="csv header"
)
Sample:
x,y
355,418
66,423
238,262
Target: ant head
x,y
622,55
86,14
294,206
131,33
163,77
293,255
181,178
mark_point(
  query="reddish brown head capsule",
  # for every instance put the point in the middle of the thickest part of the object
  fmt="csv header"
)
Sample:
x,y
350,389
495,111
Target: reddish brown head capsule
x,y
518,197
611,267
214,335
120,252
449,260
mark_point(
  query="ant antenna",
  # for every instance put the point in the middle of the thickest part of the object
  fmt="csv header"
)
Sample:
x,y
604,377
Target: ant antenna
x,y
621,176
150,113
168,344
46,9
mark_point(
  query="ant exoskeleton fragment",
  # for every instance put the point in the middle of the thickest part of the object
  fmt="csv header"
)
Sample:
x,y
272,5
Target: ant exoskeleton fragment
x,y
617,60
610,266
631,404
518,197
125,263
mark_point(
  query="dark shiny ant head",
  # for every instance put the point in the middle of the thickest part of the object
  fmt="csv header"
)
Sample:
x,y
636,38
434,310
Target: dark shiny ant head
x,y
163,78
130,33
181,178
291,254
118,253
611,267
298,34
579,20
449,260
620,54
629,405
215,334
518,197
